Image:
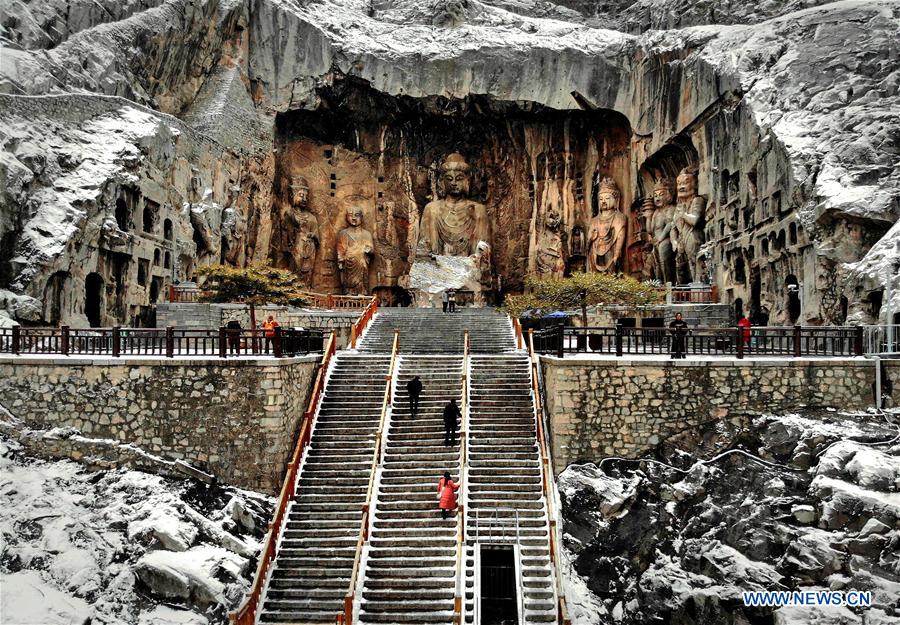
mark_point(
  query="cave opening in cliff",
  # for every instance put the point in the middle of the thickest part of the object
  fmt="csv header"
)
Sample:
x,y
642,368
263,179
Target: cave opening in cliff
x,y
93,299
527,163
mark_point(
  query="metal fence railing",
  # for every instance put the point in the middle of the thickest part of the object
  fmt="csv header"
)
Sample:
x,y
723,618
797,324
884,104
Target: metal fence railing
x,y
166,342
796,341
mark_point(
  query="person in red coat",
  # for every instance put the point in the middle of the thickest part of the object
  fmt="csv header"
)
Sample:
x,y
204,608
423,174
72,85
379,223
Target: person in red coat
x,y
744,323
447,494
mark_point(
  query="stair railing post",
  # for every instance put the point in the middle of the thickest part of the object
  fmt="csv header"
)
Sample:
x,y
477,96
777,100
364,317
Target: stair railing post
x,y
170,342
619,349
116,341
739,341
64,340
276,343
858,341
560,343
16,339
797,348
222,350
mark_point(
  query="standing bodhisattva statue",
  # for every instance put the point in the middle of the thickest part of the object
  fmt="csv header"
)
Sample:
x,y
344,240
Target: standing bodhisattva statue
x,y
355,249
454,224
687,227
306,244
606,234
661,217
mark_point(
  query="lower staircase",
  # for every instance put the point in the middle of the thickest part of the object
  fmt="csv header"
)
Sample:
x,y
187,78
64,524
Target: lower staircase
x,y
312,568
505,503
410,573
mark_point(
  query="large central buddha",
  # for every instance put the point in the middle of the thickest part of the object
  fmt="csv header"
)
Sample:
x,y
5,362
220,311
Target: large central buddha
x,y
453,225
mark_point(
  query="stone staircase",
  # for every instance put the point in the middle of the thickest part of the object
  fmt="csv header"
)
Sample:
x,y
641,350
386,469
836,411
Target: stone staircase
x,y
505,482
312,568
410,573
431,331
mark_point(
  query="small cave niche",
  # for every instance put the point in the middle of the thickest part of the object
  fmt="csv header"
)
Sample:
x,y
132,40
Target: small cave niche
x,y
382,153
168,233
143,271
875,299
792,295
156,286
792,233
157,255
150,213
93,299
122,215
740,273
57,297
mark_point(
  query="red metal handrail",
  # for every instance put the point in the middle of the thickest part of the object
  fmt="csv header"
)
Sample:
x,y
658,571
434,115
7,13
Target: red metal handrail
x,y
245,614
346,617
546,473
363,321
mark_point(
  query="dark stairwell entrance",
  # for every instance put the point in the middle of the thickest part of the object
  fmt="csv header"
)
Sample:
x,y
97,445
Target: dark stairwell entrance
x,y
499,597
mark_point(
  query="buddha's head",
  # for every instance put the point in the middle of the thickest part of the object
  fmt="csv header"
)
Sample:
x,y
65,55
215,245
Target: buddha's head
x,y
455,176
299,188
355,216
609,195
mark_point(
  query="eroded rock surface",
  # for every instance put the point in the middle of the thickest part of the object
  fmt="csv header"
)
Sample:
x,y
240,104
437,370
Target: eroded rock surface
x,y
679,543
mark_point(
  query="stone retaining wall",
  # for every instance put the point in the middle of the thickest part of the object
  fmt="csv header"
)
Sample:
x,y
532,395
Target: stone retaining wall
x,y
235,419
622,407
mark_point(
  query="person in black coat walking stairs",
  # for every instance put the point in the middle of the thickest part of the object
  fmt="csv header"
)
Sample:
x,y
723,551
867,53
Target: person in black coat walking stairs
x,y
451,419
414,390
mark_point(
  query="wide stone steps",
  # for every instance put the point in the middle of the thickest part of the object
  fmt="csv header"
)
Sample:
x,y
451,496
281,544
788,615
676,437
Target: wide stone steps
x,y
410,545
311,572
431,331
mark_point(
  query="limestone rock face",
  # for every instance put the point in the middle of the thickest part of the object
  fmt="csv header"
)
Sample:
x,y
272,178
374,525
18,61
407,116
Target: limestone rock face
x,y
788,114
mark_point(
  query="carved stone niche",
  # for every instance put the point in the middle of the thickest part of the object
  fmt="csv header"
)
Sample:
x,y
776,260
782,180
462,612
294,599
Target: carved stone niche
x,y
529,166
663,226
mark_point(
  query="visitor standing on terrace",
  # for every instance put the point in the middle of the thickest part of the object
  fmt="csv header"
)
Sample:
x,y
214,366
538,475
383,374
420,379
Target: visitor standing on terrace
x,y
269,326
679,330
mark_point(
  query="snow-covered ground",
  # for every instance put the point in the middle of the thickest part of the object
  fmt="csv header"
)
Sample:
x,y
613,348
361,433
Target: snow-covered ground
x,y
674,540
118,547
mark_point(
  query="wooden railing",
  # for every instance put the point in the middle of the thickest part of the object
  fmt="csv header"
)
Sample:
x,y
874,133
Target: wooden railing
x,y
689,294
183,294
346,617
363,321
562,611
246,612
461,508
324,300
168,342
738,342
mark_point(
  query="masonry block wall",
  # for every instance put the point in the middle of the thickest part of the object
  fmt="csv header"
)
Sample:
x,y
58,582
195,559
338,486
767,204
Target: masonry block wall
x,y
626,407
234,419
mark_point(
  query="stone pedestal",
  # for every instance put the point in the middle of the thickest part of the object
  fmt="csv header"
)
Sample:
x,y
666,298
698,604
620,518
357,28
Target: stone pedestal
x,y
429,278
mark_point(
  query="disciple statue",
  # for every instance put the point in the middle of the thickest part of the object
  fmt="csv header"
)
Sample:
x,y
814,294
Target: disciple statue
x,y
306,243
606,234
355,250
687,227
550,261
661,212
454,224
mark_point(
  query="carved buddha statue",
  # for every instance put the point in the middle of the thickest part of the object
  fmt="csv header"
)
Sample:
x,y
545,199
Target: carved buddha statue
x,y
453,225
606,234
355,250
687,228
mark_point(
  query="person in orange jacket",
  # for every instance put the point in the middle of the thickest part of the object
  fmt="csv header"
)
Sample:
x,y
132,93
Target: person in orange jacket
x,y
447,494
269,326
